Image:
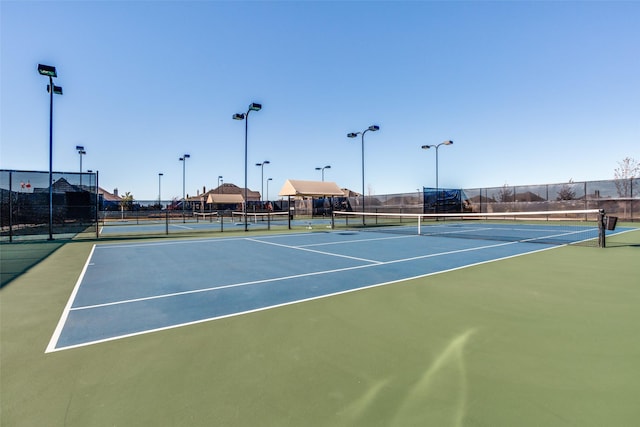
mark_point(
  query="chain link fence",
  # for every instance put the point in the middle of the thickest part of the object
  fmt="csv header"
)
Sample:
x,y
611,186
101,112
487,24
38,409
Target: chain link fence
x,y
31,208
78,211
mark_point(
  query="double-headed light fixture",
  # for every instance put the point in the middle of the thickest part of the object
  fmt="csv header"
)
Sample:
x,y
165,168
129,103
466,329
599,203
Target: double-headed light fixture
x,y
81,151
160,175
49,71
372,128
322,170
266,162
183,159
245,116
436,146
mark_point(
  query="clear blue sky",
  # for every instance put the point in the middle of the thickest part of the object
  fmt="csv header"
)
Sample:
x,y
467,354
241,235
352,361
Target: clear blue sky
x,y
530,92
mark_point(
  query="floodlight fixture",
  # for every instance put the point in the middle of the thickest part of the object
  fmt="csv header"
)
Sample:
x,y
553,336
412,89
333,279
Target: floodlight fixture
x,y
160,175
81,151
268,179
436,146
183,159
47,70
266,162
56,89
50,71
322,170
245,116
372,128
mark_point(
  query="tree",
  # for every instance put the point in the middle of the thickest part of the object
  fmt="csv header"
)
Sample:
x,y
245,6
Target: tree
x,y
628,170
126,202
567,192
505,194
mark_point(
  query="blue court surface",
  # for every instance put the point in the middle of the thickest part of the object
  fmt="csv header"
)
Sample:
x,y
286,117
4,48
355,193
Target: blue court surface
x,y
135,288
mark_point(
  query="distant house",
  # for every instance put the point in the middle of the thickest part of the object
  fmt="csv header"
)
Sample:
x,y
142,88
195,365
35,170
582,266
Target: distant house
x,y
109,201
226,196
528,196
227,188
350,193
60,186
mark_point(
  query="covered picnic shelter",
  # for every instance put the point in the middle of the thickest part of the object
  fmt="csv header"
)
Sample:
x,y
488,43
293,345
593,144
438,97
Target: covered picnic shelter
x,y
298,189
221,200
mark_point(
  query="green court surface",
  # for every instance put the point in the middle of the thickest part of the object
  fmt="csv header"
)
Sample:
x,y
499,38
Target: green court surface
x,y
546,339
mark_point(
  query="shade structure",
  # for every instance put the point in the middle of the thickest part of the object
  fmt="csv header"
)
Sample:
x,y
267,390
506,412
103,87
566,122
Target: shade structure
x,y
225,198
297,188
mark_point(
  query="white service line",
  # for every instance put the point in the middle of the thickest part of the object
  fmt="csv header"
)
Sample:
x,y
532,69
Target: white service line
x,y
299,248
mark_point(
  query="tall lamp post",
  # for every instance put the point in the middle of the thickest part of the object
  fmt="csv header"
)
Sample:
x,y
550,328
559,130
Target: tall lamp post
x,y
183,159
160,175
49,71
219,184
81,152
426,147
266,162
245,116
372,128
322,169
268,179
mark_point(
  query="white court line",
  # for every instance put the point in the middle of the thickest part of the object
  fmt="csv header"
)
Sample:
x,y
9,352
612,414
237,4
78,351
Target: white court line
x,y
65,313
189,241
413,236
181,226
299,248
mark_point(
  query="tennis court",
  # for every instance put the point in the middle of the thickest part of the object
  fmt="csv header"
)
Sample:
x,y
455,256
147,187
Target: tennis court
x,y
266,329
129,289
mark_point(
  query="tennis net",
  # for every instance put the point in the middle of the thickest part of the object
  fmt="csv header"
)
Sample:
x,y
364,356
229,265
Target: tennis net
x,y
585,227
256,217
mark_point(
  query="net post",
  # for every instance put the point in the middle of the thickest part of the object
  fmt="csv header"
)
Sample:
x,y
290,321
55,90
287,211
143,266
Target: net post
x,y
166,221
333,220
419,224
97,217
601,229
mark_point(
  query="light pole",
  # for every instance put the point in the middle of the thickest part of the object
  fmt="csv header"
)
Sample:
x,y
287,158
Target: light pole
x,y
183,159
266,162
49,71
219,184
245,116
81,152
372,128
322,169
160,175
426,147
268,179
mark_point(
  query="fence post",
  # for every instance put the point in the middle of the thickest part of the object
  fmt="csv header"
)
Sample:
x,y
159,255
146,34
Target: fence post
x,y
10,206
